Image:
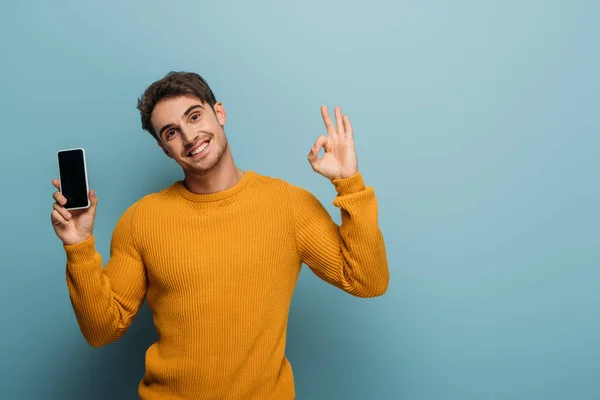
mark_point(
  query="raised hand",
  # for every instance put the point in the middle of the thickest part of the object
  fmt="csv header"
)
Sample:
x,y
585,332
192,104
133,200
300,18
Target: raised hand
x,y
339,160
72,226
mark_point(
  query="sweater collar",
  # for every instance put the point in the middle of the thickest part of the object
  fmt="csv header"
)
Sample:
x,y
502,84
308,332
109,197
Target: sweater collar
x,y
216,196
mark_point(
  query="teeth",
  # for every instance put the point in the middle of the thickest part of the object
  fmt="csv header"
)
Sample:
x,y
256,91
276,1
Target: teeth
x,y
199,149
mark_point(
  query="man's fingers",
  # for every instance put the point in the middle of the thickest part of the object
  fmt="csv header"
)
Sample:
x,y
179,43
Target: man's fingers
x,y
313,155
338,122
58,219
62,211
93,201
93,198
59,214
59,198
348,127
331,131
320,143
313,159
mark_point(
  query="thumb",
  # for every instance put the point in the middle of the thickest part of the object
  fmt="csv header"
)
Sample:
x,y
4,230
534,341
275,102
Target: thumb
x,y
313,158
313,155
93,202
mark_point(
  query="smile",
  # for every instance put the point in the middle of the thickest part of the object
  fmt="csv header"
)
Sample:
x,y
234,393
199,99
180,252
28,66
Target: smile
x,y
199,151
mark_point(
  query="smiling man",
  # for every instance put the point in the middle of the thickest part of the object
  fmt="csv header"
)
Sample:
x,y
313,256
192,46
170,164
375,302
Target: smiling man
x,y
217,254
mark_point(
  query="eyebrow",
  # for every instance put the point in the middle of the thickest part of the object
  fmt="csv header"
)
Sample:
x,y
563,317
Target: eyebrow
x,y
185,114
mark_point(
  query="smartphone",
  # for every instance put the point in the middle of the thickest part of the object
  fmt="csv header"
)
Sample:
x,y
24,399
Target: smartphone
x,y
73,178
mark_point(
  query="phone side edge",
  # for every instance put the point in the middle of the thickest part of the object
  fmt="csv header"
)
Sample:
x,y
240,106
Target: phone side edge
x,y
87,185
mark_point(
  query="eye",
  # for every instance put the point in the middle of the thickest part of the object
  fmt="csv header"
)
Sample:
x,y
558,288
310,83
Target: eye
x,y
170,134
195,117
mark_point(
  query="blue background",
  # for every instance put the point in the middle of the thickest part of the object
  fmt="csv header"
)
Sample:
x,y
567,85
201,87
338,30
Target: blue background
x,y
476,122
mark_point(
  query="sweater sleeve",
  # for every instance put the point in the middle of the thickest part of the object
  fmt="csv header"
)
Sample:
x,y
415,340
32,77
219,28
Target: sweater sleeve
x,y
350,256
106,300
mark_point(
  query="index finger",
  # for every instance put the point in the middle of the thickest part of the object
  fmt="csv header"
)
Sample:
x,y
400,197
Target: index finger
x,y
328,122
56,183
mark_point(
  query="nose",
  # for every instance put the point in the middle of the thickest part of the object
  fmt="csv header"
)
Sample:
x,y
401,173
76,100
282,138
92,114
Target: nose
x,y
188,136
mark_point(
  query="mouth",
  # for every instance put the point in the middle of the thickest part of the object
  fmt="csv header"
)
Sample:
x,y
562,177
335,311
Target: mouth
x,y
199,150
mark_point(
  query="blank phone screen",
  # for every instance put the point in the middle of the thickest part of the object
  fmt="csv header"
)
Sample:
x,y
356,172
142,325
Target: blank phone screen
x,y
71,167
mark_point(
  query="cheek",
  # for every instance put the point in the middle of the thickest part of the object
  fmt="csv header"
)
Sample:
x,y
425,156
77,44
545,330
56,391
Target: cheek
x,y
219,133
174,150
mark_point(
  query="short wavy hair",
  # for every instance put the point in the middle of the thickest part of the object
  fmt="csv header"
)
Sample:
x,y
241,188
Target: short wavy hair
x,y
173,84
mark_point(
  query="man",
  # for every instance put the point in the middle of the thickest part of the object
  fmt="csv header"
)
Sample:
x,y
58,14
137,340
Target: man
x,y
217,255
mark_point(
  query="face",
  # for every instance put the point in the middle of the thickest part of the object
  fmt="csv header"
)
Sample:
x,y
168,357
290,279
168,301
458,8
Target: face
x,y
191,132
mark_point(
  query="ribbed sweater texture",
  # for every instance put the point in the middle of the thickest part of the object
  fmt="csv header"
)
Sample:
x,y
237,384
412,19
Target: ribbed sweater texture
x,y
218,272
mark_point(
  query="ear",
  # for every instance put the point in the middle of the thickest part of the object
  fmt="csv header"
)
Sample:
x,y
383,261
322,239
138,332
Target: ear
x,y
219,110
165,150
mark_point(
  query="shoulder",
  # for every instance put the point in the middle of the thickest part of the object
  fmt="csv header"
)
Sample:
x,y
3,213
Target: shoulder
x,y
265,181
298,197
277,184
150,202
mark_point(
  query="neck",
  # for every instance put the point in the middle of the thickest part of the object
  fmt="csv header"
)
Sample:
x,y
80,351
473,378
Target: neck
x,y
222,177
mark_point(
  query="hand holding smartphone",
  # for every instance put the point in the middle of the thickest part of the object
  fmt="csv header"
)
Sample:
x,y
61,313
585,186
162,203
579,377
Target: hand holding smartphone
x,y
75,205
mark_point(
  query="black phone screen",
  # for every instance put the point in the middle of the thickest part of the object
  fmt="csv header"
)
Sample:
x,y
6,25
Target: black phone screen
x,y
73,180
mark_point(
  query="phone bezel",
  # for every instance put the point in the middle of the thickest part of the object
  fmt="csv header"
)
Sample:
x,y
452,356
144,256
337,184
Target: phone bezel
x,y
87,187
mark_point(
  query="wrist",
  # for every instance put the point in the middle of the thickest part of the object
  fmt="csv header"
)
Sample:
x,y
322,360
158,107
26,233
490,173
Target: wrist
x,y
76,241
350,184
80,250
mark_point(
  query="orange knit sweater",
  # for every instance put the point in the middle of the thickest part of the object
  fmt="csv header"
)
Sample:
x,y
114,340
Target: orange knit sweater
x,y
218,271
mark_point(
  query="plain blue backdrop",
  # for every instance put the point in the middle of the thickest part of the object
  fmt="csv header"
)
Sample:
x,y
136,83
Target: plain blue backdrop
x,y
477,123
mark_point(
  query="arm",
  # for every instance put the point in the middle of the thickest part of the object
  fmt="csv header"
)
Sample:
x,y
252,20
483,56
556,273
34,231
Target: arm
x,y
106,300
351,256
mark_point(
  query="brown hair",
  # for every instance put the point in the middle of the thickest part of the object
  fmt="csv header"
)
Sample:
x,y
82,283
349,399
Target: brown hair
x,y
173,84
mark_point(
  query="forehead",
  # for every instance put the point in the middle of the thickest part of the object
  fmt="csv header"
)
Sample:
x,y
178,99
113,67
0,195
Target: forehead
x,y
177,105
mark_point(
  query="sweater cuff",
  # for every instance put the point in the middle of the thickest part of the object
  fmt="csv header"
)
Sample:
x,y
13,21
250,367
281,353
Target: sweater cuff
x,y
352,184
81,252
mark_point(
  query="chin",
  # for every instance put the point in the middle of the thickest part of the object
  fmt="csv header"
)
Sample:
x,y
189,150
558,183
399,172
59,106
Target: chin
x,y
202,167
